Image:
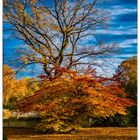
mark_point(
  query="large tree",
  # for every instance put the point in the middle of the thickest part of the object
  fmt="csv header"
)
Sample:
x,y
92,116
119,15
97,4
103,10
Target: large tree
x,y
54,33
68,100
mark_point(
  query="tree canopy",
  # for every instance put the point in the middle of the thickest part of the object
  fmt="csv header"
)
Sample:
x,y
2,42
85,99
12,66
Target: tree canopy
x,y
126,75
127,72
67,100
54,33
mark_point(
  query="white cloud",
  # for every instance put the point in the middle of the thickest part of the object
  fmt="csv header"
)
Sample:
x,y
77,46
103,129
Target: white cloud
x,y
117,10
124,55
119,31
127,43
108,69
109,66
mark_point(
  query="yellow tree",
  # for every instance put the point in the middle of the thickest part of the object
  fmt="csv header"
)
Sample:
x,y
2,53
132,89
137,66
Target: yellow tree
x,y
25,87
54,34
9,84
15,90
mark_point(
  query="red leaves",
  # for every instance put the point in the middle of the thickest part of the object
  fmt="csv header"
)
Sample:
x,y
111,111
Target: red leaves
x,y
69,92
125,102
43,76
77,101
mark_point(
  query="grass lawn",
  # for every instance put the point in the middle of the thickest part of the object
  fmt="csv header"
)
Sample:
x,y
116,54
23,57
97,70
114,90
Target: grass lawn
x,y
107,133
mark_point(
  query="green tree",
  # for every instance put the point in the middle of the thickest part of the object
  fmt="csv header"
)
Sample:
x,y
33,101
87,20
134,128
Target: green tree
x,y
128,79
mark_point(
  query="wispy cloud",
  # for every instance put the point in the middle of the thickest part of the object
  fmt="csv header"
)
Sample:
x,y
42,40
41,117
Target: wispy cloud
x,y
119,31
124,56
117,10
109,69
127,43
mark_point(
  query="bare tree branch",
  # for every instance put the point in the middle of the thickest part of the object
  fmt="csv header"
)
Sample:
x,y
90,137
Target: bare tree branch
x,y
54,33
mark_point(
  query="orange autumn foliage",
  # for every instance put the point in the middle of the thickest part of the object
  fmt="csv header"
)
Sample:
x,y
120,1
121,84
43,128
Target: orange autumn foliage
x,y
71,96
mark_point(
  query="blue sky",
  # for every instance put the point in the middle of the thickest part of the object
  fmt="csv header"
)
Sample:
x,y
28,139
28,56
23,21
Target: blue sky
x,y
122,30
